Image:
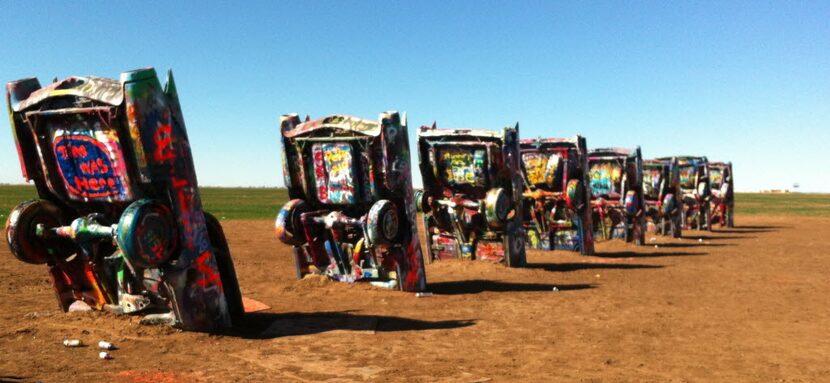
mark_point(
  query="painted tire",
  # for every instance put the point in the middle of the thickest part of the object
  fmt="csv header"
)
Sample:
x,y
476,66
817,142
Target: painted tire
x,y
147,233
575,194
382,223
421,204
496,207
631,205
669,204
23,241
289,228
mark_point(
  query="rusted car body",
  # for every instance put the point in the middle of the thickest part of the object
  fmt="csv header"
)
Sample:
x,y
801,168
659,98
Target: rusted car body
x,y
557,201
722,185
472,197
616,182
119,222
661,191
694,184
352,210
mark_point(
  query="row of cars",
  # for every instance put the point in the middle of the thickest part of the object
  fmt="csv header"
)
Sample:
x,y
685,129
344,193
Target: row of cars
x,y
120,227
487,195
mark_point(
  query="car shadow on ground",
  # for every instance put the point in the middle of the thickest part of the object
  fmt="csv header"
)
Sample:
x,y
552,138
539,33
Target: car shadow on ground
x,y
634,254
706,237
682,245
761,227
476,286
267,325
746,231
588,266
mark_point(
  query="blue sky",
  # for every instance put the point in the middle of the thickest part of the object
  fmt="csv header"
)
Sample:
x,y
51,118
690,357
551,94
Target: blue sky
x,y
741,81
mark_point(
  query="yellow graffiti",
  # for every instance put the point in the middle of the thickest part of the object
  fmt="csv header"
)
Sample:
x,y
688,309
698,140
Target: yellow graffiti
x,y
716,176
535,164
459,166
339,160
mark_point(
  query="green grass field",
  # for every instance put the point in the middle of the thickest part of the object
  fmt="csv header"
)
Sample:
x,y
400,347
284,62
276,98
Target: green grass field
x,y
224,203
263,203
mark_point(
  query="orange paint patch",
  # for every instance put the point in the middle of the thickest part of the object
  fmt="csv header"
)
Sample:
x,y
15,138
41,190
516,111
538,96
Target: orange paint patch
x,y
252,305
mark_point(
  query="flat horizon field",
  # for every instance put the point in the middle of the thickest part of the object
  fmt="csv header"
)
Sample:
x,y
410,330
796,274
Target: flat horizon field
x,y
252,203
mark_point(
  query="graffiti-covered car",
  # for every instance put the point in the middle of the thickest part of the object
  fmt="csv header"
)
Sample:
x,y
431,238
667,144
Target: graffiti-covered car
x,y
472,196
119,222
557,201
662,195
722,185
352,211
616,182
694,185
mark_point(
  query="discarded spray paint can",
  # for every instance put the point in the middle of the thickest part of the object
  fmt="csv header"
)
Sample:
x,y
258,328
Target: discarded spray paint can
x,y
104,355
106,345
72,342
423,295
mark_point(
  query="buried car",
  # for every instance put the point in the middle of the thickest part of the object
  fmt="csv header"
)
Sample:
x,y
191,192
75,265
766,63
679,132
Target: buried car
x,y
694,186
661,193
119,221
616,182
472,196
721,183
352,211
557,203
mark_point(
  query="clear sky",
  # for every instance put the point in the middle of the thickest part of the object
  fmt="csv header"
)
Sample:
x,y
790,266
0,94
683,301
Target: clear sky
x,y
741,81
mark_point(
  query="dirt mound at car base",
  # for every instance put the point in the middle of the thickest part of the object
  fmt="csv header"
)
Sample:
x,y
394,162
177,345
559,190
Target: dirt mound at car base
x,y
744,304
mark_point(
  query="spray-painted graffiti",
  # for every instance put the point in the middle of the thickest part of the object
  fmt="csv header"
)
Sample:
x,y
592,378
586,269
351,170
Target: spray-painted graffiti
x,y
334,173
353,218
163,238
715,177
687,177
490,250
463,166
472,200
541,168
605,178
556,213
651,182
88,166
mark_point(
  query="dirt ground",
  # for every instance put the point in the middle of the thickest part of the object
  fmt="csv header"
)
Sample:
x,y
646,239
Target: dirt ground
x,y
749,304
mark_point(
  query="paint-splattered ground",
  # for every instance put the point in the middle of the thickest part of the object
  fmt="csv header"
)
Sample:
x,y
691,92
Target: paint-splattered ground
x,y
748,304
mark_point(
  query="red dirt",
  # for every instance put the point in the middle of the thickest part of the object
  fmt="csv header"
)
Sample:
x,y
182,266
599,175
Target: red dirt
x,y
748,304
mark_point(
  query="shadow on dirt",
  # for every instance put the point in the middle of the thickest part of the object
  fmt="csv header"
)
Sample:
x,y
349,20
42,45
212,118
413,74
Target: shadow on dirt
x,y
682,245
761,227
634,254
588,266
747,231
717,237
274,325
476,286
